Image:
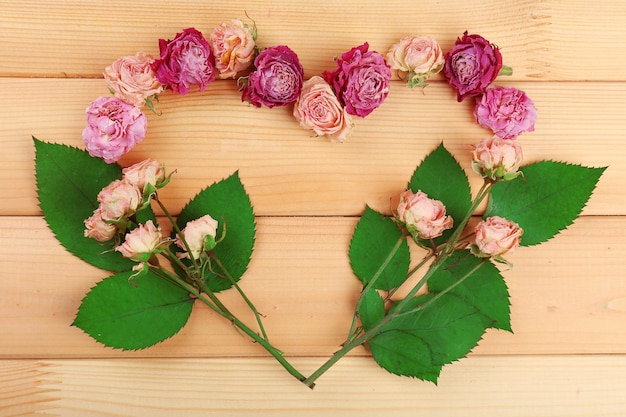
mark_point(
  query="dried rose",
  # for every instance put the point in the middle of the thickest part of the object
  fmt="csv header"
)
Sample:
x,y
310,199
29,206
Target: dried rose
x,y
361,80
423,217
146,172
496,158
471,65
415,59
507,111
318,109
277,79
185,61
496,236
113,128
199,235
132,78
97,228
141,243
118,200
233,47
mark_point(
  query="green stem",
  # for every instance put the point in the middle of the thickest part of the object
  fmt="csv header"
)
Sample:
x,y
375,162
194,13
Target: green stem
x,y
176,229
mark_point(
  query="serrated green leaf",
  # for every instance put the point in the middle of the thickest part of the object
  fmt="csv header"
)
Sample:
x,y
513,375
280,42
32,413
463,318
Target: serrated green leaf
x,y
135,314
442,178
371,309
68,183
379,251
485,288
546,199
228,203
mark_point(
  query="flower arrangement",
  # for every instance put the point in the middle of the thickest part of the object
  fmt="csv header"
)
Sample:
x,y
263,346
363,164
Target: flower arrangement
x,y
109,221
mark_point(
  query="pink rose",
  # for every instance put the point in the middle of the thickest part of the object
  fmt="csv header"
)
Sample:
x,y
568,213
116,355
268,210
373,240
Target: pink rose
x,y
114,127
132,78
233,47
471,65
141,243
361,80
199,235
97,228
318,109
496,236
506,111
185,61
423,217
496,158
146,172
416,58
118,200
277,78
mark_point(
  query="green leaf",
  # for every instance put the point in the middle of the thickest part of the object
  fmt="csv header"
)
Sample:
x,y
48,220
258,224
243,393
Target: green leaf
x,y
546,199
68,183
228,203
371,309
442,178
485,289
379,251
133,314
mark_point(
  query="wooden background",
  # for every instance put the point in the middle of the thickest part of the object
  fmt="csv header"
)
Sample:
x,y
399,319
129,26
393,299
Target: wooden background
x,y
567,355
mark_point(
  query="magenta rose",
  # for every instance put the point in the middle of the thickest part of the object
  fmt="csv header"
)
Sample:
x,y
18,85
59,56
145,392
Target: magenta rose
x,y
277,78
507,111
471,65
185,61
114,127
361,80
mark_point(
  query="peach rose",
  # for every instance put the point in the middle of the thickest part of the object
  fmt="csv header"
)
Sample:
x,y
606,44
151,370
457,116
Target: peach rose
x,y
97,228
416,58
496,236
496,158
145,172
318,109
233,47
119,199
141,243
199,235
132,78
424,218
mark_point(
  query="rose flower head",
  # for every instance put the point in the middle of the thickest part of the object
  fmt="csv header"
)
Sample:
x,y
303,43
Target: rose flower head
x,y
507,111
415,59
361,80
233,48
118,200
496,236
496,158
146,175
471,65
132,78
142,242
97,228
114,127
185,61
199,235
318,109
277,79
423,217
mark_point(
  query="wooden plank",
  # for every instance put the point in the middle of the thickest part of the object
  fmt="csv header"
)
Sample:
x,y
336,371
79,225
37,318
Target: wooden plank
x,y
567,386
285,170
568,295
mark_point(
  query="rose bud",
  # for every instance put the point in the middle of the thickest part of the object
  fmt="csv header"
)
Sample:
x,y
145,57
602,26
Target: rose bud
x,y
415,59
423,217
118,200
114,127
147,172
496,236
199,235
141,243
97,228
318,109
132,78
506,111
233,47
496,158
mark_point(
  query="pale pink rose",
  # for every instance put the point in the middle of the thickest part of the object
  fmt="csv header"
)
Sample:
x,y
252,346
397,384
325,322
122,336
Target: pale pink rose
x,y
97,228
114,127
424,218
506,111
196,233
318,109
132,78
140,243
145,172
119,199
232,45
496,236
415,59
496,158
